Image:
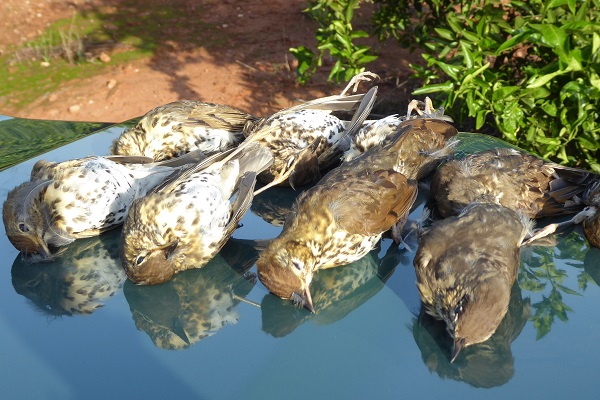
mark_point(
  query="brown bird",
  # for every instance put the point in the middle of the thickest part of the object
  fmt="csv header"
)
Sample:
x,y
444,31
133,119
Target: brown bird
x,y
179,127
466,266
191,306
488,364
336,292
512,178
340,219
78,282
377,132
79,198
591,223
184,223
307,139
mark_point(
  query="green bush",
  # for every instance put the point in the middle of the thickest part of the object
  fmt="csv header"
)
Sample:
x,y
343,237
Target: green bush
x,y
530,69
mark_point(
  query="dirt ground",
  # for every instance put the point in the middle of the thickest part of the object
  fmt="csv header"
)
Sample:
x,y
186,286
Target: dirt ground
x,y
253,70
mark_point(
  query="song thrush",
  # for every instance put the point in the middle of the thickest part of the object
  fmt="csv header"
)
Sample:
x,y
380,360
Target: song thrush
x,y
78,282
512,178
487,364
183,224
466,266
191,306
335,292
341,218
378,132
179,127
591,223
79,198
307,139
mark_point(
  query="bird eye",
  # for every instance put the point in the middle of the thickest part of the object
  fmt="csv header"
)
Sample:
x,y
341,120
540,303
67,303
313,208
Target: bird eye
x,y
297,264
23,228
140,260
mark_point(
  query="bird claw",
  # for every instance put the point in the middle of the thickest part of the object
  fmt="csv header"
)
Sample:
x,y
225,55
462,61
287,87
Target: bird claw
x,y
357,79
427,112
550,229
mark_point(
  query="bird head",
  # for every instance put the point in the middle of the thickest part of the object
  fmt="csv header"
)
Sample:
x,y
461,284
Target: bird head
x,y
148,253
286,269
131,142
24,221
476,315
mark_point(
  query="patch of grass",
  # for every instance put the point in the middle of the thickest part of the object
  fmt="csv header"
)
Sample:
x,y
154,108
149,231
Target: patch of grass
x,y
69,48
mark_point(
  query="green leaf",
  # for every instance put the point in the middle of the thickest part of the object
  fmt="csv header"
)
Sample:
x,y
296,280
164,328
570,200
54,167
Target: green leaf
x,y
513,41
440,87
557,3
471,36
595,80
480,119
445,33
450,70
475,73
553,36
541,80
467,55
367,59
550,108
503,92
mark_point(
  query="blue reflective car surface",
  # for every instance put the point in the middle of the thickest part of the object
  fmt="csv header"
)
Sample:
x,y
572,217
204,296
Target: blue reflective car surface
x,y
75,329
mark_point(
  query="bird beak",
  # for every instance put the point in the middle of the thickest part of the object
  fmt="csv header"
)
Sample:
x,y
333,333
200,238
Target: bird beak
x,y
43,250
458,346
308,303
180,332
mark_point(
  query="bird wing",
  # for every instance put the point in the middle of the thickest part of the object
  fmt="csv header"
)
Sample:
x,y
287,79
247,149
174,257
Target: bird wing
x,y
335,152
219,116
242,202
372,204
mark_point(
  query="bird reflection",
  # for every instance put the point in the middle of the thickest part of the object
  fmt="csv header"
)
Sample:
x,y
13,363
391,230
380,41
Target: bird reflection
x,y
335,293
78,281
197,303
274,205
488,364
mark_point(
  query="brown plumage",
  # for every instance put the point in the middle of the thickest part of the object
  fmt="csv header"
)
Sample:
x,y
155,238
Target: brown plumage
x,y
307,139
80,198
182,126
191,306
591,223
341,218
512,178
466,266
184,224
78,282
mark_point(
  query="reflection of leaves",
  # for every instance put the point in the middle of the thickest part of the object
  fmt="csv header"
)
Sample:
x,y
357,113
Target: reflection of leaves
x,y
21,139
550,307
539,274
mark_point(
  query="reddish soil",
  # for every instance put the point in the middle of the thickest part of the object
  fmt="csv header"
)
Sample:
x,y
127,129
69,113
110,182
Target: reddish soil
x,y
253,71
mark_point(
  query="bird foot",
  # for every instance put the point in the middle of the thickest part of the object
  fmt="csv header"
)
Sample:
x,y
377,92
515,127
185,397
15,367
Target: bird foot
x,y
550,229
357,79
427,112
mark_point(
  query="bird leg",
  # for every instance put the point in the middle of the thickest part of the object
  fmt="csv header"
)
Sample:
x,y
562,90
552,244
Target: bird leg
x,y
550,229
245,300
427,112
357,79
